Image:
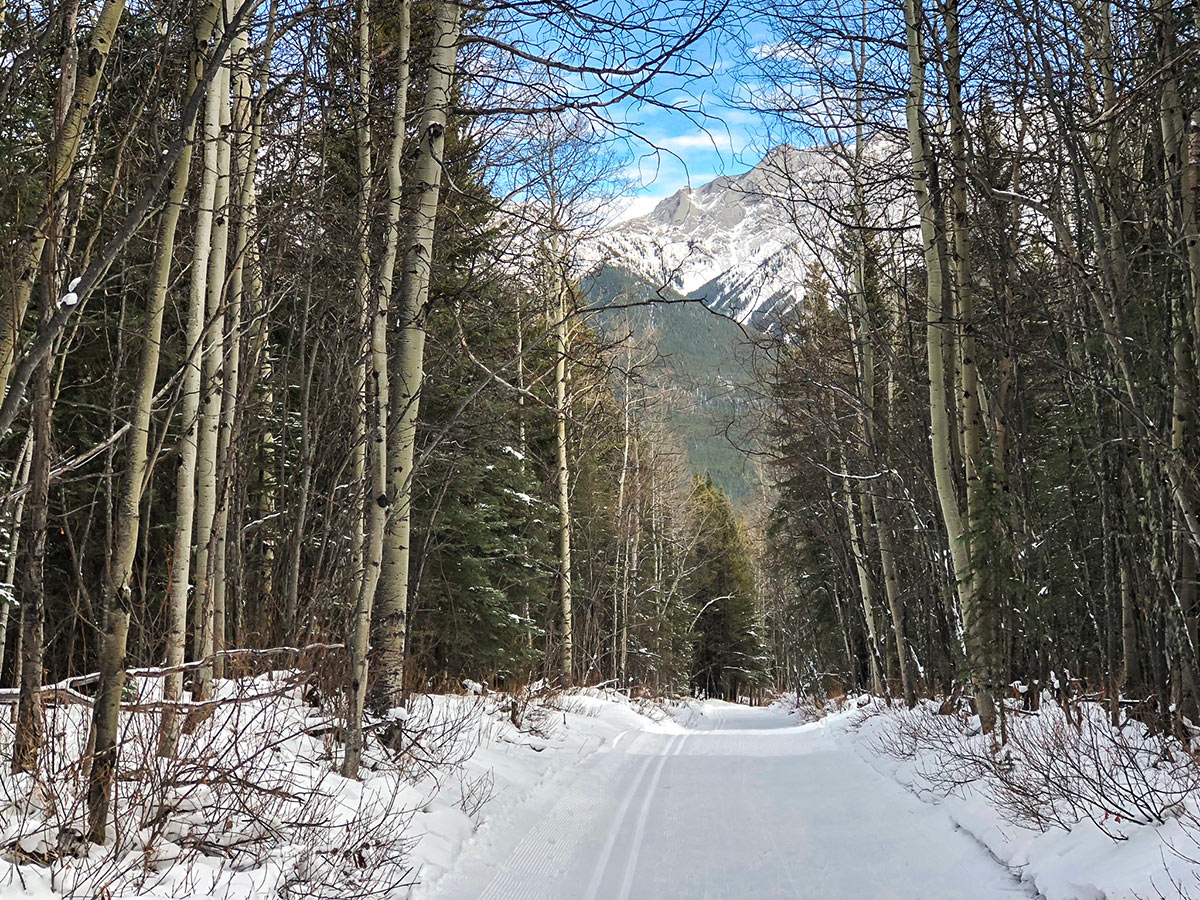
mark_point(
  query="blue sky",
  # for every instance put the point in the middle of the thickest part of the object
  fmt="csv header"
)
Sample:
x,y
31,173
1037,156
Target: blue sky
x,y
710,133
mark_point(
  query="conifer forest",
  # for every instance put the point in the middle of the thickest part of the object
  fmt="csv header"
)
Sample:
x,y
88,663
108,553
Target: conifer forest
x,y
484,448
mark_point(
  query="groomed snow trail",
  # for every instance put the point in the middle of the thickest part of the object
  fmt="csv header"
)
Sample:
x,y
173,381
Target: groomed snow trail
x,y
744,805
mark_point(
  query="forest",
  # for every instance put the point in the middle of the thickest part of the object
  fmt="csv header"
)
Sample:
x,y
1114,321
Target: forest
x,y
311,370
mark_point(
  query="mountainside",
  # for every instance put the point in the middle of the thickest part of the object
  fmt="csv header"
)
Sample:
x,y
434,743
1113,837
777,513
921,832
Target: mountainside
x,y
733,243
734,246
701,360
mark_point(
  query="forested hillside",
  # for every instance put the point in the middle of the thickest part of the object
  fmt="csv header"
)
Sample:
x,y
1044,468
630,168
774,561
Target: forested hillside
x,y
696,364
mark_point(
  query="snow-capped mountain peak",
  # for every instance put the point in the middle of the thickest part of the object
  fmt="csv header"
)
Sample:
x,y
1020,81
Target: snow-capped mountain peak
x,y
734,242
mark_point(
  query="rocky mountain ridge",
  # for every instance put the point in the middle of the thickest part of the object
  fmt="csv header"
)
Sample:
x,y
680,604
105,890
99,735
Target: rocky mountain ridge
x,y
736,243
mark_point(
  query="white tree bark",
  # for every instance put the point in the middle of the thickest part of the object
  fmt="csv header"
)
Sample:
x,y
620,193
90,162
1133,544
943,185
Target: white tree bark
x,y
207,460
408,353
562,342
376,312
185,477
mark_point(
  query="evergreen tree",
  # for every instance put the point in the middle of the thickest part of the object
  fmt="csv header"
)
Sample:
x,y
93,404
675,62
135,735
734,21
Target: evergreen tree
x,y
728,651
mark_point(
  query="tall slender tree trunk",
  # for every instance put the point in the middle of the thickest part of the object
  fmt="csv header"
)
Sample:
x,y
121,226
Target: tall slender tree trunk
x,y
291,596
30,730
941,364
370,428
979,615
376,312
30,726
185,478
408,354
566,658
629,579
620,561
20,477
866,586
244,154
208,463
127,520
522,440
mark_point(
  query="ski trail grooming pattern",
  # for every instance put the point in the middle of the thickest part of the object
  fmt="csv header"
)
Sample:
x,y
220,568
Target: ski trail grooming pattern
x,y
614,832
639,831
619,820
541,853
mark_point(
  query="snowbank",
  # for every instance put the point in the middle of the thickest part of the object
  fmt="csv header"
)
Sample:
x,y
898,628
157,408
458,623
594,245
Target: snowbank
x,y
253,808
556,735
1081,810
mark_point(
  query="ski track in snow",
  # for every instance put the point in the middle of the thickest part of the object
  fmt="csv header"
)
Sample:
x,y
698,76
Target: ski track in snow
x,y
744,805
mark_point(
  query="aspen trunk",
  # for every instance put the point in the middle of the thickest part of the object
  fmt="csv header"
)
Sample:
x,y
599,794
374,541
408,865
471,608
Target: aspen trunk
x,y
29,252
244,161
978,615
185,476
127,517
408,355
940,362
213,352
370,460
866,587
378,502
621,562
522,441
632,562
561,412
260,356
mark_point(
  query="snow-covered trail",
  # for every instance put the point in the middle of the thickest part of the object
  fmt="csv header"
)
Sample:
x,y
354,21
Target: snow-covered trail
x,y
743,804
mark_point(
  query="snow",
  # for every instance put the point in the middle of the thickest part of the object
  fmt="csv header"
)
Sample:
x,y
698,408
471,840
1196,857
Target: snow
x,y
744,243
719,801
1088,854
594,796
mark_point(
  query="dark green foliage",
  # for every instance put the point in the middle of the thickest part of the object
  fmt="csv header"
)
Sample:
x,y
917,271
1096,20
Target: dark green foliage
x,y
728,657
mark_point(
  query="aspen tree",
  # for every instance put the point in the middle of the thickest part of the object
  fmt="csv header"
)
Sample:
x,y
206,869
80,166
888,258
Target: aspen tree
x,y
69,135
185,479
978,615
941,364
632,565
620,580
242,167
376,312
862,339
562,340
213,376
1185,313
866,583
407,355
370,425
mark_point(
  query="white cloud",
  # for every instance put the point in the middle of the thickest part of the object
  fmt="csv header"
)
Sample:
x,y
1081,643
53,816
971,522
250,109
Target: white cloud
x,y
637,206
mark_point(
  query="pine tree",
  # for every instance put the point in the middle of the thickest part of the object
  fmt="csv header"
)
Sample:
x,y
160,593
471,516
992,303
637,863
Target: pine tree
x,y
729,657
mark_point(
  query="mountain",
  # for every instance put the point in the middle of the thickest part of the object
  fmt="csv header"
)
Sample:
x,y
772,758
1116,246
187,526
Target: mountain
x,y
733,243
701,365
